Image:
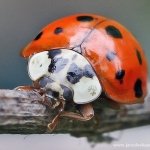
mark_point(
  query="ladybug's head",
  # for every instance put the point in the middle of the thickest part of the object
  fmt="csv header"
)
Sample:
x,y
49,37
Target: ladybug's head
x,y
66,73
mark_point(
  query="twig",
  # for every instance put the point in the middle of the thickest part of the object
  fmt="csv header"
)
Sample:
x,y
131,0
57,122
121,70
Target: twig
x,y
21,112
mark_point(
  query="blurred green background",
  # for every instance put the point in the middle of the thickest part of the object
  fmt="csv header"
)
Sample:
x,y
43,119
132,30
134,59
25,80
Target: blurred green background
x,y
20,21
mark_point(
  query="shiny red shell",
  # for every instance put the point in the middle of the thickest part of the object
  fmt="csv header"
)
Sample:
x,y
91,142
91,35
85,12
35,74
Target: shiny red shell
x,y
113,52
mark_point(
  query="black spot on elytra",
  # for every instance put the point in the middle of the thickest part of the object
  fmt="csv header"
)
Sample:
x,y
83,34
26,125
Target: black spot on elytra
x,y
113,31
139,57
58,30
53,53
67,93
85,18
38,36
57,64
120,74
110,56
74,74
138,88
88,71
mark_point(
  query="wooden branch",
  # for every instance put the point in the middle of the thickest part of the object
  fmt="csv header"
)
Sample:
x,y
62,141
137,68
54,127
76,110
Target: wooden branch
x,y
21,112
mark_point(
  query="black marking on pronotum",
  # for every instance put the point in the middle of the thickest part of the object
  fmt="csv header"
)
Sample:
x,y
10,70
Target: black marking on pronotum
x,y
120,74
60,63
52,66
85,18
113,31
138,88
139,57
74,74
88,71
38,36
53,53
58,30
67,93
110,56
57,64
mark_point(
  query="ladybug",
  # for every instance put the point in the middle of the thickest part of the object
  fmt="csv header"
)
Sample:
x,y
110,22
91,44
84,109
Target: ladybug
x,y
83,57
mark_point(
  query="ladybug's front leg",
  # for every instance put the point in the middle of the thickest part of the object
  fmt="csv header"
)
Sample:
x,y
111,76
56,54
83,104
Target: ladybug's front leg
x,y
51,126
35,87
86,113
25,88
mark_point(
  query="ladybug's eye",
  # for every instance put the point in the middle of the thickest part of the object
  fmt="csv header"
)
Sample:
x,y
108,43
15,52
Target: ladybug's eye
x,y
38,65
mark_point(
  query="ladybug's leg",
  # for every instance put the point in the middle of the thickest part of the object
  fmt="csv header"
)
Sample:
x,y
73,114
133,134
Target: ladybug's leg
x,y
34,87
24,88
86,113
51,126
54,122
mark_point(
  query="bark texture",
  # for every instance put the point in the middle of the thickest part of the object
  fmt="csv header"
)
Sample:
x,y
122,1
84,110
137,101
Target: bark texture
x,y
21,112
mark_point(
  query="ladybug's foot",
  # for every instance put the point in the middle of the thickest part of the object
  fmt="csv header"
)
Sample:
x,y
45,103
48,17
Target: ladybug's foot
x,y
51,126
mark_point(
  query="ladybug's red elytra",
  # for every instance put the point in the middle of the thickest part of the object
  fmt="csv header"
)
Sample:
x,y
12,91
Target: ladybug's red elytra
x,y
81,56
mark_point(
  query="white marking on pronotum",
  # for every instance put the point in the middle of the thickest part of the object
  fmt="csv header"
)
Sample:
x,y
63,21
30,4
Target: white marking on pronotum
x,y
38,65
86,90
